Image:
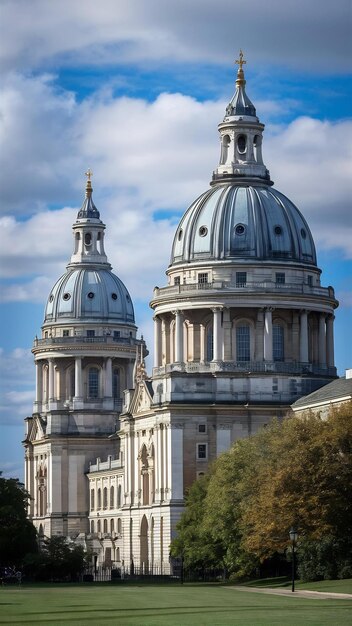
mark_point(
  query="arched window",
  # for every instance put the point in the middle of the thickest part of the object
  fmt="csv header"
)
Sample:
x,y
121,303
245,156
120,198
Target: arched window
x,y
116,383
92,526
112,526
112,497
105,526
243,351
119,497
93,382
225,143
278,342
99,526
99,498
105,498
119,526
92,494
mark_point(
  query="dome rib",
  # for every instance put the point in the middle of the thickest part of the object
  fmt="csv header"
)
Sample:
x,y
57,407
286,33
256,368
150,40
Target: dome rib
x,y
245,222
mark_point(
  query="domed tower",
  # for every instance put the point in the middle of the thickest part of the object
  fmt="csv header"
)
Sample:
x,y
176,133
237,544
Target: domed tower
x,y
84,360
243,327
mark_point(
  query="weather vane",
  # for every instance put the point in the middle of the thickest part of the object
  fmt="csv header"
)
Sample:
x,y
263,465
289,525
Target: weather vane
x,y
89,173
240,61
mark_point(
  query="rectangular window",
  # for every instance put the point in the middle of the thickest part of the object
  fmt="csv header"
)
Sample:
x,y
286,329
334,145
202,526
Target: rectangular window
x,y
241,279
65,333
202,451
177,280
243,352
310,281
278,343
116,334
202,428
280,278
202,279
90,333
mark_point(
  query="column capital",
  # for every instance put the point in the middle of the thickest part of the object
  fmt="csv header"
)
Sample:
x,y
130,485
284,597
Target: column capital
x,y
215,309
177,312
269,309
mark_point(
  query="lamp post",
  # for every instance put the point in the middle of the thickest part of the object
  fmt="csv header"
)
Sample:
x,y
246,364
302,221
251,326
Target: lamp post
x,y
293,537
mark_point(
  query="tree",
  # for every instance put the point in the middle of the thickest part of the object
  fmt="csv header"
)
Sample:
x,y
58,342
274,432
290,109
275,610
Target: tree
x,y
192,543
296,472
58,559
17,533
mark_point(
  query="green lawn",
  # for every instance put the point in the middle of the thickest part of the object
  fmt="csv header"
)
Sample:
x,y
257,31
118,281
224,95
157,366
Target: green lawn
x,y
335,586
164,605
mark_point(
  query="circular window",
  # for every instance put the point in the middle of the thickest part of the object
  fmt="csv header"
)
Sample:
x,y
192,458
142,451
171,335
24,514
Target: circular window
x,y
241,144
51,298
303,233
90,295
114,296
66,296
240,229
87,239
180,233
203,231
278,230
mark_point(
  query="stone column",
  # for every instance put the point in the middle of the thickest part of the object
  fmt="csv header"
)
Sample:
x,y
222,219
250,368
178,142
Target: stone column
x,y
108,378
268,335
165,461
330,340
202,343
227,335
322,341
78,377
51,380
259,336
303,337
179,337
38,383
217,339
157,341
165,339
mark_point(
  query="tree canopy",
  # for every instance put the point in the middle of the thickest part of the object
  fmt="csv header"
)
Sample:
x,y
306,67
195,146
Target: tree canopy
x,y
295,472
17,533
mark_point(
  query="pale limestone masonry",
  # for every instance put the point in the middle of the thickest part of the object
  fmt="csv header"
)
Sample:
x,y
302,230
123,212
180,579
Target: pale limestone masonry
x,y
243,328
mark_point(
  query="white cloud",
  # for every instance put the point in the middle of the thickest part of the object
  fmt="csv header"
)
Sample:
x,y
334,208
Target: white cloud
x,y
305,34
147,157
18,388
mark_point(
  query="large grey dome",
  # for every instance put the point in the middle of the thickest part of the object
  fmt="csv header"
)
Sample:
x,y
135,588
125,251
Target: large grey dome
x,y
88,294
235,222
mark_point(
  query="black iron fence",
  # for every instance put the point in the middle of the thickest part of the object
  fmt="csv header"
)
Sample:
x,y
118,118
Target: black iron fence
x,y
152,574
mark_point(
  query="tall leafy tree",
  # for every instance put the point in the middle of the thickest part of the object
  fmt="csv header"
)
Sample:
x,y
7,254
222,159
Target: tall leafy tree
x,y
17,533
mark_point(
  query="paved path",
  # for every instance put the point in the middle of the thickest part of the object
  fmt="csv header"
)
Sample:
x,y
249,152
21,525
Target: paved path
x,y
302,593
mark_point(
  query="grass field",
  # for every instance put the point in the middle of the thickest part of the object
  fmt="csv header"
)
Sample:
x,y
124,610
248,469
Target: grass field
x,y
335,586
164,605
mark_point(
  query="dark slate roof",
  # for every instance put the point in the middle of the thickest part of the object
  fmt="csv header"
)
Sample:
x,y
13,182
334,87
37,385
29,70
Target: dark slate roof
x,y
339,388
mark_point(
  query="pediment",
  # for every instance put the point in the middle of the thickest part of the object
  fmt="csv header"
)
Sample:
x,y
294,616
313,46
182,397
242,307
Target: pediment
x,y
142,400
36,430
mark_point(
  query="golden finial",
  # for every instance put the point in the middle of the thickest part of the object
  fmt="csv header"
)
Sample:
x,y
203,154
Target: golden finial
x,y
240,61
240,73
89,175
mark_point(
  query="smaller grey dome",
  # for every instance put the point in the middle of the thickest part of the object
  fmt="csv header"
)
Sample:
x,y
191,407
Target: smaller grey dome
x,y
232,222
84,294
88,210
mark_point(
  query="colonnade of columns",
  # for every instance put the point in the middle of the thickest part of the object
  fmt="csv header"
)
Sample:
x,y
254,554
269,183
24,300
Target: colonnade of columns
x,y
49,389
221,323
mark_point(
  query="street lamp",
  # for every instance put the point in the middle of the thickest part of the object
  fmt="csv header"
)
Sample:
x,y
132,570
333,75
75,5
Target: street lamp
x,y
293,537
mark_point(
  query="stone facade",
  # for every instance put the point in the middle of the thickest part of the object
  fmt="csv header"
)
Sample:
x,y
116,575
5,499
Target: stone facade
x,y
243,328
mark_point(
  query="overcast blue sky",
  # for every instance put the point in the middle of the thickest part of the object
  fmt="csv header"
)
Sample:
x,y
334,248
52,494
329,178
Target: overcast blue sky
x,y
135,90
